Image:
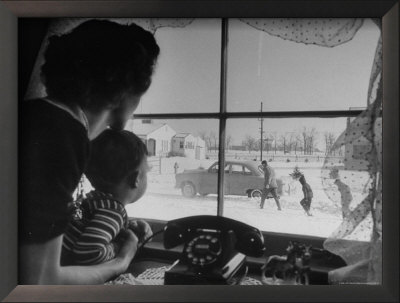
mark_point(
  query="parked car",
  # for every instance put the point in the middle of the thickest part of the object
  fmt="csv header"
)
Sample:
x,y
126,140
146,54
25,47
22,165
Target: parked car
x,y
241,178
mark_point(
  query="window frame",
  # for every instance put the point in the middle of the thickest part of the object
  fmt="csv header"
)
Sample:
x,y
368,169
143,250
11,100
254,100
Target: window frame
x,y
223,115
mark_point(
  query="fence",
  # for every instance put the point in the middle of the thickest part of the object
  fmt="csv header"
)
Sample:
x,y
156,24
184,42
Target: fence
x,y
165,165
155,164
272,157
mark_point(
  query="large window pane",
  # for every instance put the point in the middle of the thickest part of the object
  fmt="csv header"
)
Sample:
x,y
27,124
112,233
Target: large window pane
x,y
188,70
290,76
180,153
186,78
304,143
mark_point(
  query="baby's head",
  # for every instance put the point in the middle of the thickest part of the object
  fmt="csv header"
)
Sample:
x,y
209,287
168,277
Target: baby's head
x,y
118,165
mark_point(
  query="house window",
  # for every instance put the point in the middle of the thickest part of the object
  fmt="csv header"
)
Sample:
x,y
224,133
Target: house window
x,y
189,145
164,145
255,90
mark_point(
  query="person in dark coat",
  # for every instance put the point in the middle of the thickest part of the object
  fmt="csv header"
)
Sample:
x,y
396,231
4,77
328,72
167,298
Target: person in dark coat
x,y
270,185
307,191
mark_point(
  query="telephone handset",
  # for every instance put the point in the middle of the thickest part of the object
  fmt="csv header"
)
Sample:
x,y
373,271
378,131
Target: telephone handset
x,y
214,248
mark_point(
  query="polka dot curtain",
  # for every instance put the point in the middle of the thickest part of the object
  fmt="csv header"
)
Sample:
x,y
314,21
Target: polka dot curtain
x,y
322,32
355,184
361,201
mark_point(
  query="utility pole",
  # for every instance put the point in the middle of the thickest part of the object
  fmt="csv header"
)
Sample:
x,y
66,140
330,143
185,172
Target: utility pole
x,y
261,133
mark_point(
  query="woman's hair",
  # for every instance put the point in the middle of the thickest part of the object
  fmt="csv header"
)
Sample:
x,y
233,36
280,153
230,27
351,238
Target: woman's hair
x,y
98,62
115,155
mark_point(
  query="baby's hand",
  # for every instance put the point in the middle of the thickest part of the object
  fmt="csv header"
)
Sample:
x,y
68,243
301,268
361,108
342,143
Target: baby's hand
x,y
141,229
128,248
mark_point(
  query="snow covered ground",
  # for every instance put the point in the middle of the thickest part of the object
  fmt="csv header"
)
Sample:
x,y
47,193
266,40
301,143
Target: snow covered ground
x,y
164,202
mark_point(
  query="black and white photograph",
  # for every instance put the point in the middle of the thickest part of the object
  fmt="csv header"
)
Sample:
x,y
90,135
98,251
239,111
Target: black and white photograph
x,y
126,122
166,151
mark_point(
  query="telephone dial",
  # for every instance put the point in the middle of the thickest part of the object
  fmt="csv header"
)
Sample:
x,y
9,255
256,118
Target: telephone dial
x,y
214,249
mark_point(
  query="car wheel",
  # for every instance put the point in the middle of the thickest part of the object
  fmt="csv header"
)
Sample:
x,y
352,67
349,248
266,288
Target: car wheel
x,y
256,194
188,190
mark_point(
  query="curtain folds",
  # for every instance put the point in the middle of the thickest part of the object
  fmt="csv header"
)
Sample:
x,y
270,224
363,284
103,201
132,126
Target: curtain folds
x,y
355,184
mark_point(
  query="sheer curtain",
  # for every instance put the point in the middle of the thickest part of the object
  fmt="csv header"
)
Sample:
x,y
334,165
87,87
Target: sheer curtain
x,y
358,239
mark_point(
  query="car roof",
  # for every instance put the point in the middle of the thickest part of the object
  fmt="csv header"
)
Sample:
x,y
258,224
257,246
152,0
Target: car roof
x,y
251,164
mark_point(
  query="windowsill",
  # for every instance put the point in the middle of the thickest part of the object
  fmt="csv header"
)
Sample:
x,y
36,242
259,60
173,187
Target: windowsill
x,y
155,252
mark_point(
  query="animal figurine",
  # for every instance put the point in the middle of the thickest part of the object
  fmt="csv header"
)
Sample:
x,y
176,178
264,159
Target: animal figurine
x,y
302,265
292,267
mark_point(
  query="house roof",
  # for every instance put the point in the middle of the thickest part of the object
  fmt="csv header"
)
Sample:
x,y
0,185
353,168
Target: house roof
x,y
182,135
142,129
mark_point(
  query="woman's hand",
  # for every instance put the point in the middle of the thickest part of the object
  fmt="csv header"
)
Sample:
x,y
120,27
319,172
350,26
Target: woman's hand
x,y
141,229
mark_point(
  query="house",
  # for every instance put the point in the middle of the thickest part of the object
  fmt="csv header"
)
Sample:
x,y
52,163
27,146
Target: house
x,y
163,140
356,145
156,136
188,145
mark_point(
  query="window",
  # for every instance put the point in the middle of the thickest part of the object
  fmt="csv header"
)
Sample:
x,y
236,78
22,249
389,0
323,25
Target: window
x,y
237,169
269,97
247,90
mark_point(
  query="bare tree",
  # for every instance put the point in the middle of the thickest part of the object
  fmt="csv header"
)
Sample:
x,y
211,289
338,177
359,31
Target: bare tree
x,y
296,143
249,142
203,135
214,139
287,140
268,143
312,139
309,140
330,139
274,140
304,138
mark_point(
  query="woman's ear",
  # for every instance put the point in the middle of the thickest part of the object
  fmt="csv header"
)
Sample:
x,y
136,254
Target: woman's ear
x,y
133,179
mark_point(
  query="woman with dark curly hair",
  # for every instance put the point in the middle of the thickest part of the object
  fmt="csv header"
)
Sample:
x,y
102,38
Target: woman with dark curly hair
x,y
94,76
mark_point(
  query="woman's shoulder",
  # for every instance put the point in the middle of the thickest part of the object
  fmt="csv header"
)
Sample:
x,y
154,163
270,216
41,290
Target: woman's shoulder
x,y
39,117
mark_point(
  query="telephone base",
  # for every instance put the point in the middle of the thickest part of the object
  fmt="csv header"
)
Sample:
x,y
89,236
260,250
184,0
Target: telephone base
x,y
182,274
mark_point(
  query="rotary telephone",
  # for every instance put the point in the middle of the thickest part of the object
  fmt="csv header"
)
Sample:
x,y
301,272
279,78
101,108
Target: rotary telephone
x,y
214,249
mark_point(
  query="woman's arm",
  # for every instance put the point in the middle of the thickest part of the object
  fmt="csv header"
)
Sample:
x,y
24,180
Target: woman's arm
x,y
94,245
40,264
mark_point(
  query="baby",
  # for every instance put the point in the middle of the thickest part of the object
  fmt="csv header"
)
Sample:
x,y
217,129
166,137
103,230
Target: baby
x,y
118,171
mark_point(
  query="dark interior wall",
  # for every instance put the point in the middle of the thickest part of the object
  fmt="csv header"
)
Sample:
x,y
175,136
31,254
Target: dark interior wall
x,y
8,151
31,32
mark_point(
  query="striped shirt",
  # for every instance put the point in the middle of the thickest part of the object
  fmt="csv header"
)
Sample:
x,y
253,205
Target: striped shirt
x,y
91,240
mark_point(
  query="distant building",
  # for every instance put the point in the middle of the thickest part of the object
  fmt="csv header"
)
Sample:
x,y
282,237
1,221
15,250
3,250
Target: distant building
x,y
188,145
163,140
238,147
156,136
356,147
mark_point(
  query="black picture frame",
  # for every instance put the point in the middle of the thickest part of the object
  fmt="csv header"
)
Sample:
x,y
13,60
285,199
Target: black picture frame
x,y
11,10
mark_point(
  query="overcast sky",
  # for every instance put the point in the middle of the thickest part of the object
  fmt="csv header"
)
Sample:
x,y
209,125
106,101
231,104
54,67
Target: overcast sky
x,y
283,75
